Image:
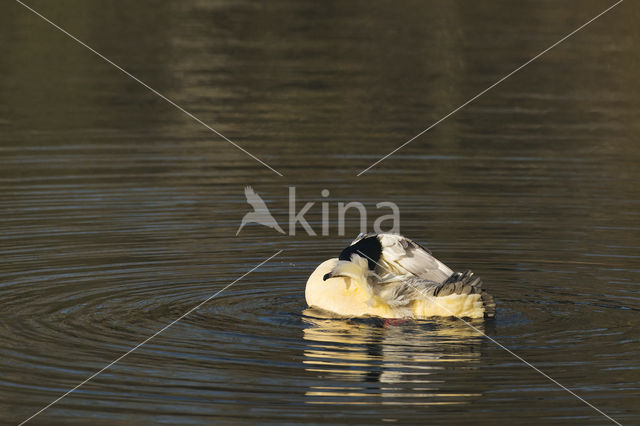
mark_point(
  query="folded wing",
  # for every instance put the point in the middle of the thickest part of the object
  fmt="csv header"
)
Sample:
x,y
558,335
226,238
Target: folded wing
x,y
402,256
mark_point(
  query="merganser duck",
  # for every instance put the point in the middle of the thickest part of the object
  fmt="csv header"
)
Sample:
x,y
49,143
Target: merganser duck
x,y
390,276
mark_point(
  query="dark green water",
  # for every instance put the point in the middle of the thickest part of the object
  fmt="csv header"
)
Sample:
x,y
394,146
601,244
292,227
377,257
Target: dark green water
x,y
118,213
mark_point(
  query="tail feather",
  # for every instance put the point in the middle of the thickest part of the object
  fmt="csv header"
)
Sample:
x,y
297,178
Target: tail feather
x,y
468,283
489,304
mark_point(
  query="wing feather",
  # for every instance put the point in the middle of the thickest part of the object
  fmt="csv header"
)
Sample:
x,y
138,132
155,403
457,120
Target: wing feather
x,y
405,256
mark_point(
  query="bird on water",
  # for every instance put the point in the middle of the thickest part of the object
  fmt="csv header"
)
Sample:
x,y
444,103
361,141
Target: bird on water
x,y
391,276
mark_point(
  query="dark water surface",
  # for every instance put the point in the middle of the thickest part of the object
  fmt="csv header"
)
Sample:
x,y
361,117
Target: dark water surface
x,y
118,213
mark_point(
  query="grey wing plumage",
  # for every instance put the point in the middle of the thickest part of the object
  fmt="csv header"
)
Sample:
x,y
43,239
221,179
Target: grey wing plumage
x,y
409,257
459,283
468,283
400,295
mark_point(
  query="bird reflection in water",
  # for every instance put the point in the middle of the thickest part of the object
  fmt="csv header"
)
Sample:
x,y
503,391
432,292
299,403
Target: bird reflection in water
x,y
402,362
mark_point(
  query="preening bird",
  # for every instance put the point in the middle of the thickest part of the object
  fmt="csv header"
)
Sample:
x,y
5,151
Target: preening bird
x,y
390,276
260,213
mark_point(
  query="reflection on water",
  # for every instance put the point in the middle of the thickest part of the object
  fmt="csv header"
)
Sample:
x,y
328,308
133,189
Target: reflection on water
x,y
387,361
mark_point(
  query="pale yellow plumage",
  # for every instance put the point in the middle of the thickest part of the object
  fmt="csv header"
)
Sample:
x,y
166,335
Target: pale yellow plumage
x,y
351,295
